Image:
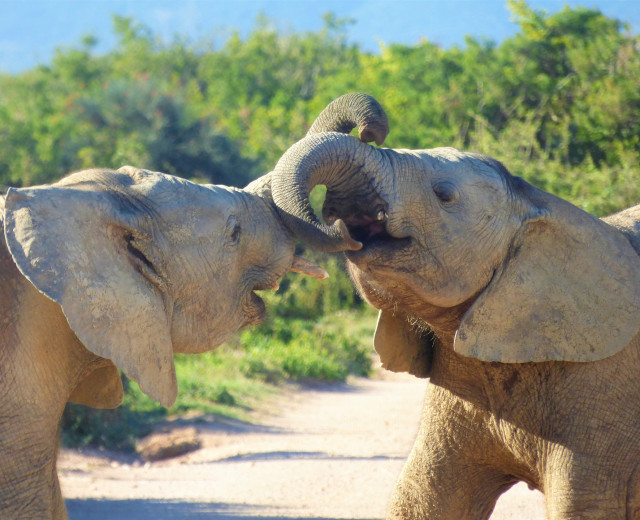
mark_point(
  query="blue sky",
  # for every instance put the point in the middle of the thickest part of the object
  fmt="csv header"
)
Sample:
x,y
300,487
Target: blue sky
x,y
30,30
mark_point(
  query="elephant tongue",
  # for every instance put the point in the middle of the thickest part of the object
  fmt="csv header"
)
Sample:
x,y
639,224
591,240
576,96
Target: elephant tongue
x,y
304,266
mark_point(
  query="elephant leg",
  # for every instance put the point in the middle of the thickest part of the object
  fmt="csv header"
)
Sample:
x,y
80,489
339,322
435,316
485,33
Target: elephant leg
x,y
564,502
29,486
584,490
446,490
442,478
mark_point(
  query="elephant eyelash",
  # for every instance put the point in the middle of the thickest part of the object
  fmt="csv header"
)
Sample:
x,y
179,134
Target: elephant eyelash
x,y
446,192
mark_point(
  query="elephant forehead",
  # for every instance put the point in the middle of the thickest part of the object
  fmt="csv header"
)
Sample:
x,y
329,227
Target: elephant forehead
x,y
454,163
202,210
481,185
153,191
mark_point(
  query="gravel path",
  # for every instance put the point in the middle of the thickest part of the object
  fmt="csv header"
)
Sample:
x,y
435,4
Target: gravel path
x,y
332,452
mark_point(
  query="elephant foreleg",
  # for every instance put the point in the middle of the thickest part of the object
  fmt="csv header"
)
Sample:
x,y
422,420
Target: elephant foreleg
x,y
29,485
447,489
443,479
579,488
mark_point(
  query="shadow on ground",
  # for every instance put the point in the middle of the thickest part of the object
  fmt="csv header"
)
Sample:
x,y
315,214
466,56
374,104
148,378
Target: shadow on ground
x,y
302,455
96,509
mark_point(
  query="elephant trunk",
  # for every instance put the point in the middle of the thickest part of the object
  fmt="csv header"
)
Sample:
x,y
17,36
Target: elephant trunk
x,y
341,115
354,110
340,162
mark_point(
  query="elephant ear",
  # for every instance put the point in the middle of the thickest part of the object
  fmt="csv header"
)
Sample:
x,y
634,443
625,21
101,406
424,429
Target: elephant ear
x,y
569,291
401,347
102,388
81,245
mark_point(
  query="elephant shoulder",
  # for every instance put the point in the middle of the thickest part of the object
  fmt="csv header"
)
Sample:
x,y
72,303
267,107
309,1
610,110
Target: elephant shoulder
x,y
628,222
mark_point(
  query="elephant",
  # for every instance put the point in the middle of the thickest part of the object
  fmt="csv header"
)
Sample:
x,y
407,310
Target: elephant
x,y
521,309
116,270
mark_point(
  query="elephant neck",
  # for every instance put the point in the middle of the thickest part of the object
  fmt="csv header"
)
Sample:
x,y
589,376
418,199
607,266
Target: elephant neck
x,y
443,322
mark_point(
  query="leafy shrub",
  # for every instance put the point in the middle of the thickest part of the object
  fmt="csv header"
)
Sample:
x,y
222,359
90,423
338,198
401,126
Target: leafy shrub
x,y
300,350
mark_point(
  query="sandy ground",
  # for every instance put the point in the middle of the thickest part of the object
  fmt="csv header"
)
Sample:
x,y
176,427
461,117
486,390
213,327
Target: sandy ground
x,y
330,452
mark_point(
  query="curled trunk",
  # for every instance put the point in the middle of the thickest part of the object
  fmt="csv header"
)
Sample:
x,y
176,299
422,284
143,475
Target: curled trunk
x,y
342,115
295,180
354,110
340,162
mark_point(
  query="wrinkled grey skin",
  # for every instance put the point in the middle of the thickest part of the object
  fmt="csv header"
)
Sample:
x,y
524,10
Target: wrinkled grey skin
x,y
108,270
522,310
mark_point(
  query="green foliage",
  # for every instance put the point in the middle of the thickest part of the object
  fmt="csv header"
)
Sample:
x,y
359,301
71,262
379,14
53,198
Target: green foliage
x,y
122,122
301,350
567,86
558,104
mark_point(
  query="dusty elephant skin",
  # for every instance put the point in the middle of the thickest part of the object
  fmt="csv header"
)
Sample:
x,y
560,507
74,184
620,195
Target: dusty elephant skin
x,y
108,270
111,269
522,309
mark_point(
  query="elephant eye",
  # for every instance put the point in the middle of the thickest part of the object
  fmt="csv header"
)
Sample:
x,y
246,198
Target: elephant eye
x,y
234,230
235,234
446,192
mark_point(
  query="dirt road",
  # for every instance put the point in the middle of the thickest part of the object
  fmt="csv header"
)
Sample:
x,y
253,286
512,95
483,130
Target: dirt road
x,y
330,452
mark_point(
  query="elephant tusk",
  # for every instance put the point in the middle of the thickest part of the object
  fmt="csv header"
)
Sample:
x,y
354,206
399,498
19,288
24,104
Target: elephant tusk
x,y
304,266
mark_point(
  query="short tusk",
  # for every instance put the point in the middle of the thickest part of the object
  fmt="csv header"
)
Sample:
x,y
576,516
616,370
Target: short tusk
x,y
275,286
304,266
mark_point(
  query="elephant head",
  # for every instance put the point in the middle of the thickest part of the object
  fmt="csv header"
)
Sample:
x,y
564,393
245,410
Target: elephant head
x,y
450,243
144,264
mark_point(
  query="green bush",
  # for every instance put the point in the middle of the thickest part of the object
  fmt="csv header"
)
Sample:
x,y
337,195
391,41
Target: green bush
x,y
300,350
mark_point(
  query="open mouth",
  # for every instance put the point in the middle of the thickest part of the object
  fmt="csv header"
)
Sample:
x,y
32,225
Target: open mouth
x,y
255,308
372,232
365,229
366,217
